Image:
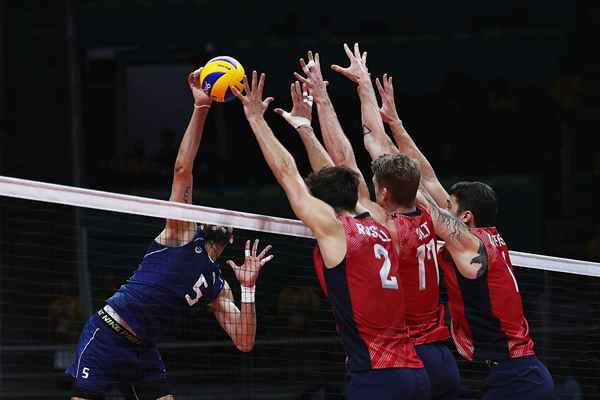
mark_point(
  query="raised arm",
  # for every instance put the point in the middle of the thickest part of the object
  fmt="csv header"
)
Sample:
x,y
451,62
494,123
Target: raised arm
x,y
336,142
240,323
376,141
405,143
467,251
300,119
316,214
179,232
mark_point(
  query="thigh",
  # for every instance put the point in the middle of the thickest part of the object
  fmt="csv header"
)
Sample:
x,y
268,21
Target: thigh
x,y
389,384
442,370
152,383
91,368
520,379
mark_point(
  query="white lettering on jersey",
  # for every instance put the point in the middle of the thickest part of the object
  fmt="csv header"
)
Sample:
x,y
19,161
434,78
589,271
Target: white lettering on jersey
x,y
423,231
497,240
373,232
200,282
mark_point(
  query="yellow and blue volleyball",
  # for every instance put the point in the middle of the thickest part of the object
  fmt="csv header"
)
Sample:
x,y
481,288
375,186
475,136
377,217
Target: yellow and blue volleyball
x,y
219,75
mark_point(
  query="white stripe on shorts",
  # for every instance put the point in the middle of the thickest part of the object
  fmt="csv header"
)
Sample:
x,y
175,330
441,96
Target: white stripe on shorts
x,y
84,348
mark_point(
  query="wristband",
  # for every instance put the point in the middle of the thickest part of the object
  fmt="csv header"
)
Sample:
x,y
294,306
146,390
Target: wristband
x,y
248,294
202,106
296,122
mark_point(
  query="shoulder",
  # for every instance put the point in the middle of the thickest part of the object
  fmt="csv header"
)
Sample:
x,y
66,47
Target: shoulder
x,y
180,236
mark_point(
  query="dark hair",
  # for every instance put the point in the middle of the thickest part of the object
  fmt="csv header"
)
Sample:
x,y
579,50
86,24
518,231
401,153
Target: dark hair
x,y
336,186
400,175
217,234
478,198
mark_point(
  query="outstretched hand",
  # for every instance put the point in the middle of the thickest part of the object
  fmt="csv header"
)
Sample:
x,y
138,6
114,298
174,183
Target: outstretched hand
x,y
357,70
314,77
200,96
388,106
302,102
247,273
254,105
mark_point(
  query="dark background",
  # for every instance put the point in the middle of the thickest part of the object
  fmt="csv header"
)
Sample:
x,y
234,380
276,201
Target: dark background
x,y
94,94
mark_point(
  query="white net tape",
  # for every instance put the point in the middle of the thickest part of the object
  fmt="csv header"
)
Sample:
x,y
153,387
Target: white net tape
x,y
95,199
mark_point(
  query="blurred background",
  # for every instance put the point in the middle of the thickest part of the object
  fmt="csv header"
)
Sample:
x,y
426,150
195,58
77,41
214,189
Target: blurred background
x,y
94,94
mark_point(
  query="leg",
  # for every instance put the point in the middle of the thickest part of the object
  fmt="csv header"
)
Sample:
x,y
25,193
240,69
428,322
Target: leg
x,y
520,379
442,370
389,384
153,383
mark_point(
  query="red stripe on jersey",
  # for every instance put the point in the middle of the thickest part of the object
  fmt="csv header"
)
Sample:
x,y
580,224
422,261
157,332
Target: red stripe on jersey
x,y
491,309
420,277
373,315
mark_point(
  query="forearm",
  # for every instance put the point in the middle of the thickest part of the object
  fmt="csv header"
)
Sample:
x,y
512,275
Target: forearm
x,y
188,149
317,155
379,143
280,161
336,142
246,332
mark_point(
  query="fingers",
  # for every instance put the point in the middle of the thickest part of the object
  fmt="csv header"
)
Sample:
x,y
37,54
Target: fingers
x,y
300,78
232,265
364,57
338,69
379,87
279,111
348,52
298,91
356,50
317,62
268,101
265,251
254,82
247,249
261,85
310,57
255,247
237,93
266,260
246,86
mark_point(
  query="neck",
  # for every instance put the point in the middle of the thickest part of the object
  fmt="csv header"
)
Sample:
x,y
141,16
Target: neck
x,y
395,208
213,250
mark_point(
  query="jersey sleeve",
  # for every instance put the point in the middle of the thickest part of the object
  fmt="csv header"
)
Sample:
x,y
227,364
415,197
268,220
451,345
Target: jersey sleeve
x,y
215,284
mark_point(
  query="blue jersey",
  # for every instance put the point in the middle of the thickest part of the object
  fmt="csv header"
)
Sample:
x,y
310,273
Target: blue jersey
x,y
168,281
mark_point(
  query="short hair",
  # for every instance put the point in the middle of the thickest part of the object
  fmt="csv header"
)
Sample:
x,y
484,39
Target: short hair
x,y
217,234
478,198
400,175
336,186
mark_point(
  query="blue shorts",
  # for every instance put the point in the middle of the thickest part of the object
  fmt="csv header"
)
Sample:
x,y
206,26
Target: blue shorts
x,y
105,359
523,378
389,384
442,369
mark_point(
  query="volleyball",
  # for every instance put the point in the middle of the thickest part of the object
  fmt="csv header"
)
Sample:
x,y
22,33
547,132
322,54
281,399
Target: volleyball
x,y
219,75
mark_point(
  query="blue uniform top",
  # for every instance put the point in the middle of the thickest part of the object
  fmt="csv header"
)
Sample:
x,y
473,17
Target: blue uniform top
x,y
168,281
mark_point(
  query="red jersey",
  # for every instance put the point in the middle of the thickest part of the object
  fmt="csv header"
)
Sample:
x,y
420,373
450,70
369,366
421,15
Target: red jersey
x,y
487,314
367,299
420,277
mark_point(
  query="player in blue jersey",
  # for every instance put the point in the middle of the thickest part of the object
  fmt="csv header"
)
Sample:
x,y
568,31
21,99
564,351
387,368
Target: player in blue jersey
x,y
117,347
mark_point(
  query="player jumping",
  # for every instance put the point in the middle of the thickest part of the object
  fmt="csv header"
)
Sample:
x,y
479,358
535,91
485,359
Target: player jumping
x,y
357,264
488,323
117,346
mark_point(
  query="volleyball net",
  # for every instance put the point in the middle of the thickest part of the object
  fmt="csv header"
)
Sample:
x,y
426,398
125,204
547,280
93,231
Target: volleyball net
x,y
65,250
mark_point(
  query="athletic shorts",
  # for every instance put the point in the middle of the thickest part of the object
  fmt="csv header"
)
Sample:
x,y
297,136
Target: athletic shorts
x,y
442,370
523,378
389,384
105,359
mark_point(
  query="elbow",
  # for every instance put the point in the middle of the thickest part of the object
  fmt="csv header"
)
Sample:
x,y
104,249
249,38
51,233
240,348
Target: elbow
x,y
245,347
182,171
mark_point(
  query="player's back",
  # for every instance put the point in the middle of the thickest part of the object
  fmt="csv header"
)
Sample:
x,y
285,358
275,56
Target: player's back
x,y
488,322
167,282
419,274
367,300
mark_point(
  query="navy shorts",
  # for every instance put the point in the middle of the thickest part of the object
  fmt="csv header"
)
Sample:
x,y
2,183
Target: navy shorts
x,y
523,378
442,369
105,359
389,384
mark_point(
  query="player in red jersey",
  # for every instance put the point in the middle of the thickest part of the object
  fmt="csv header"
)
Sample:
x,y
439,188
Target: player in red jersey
x,y
358,265
411,226
488,323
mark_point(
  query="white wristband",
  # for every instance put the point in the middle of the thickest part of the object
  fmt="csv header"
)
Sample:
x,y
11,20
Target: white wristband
x,y
296,122
248,294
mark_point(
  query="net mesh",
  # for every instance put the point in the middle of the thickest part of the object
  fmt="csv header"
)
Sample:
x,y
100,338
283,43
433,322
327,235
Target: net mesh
x,y
50,252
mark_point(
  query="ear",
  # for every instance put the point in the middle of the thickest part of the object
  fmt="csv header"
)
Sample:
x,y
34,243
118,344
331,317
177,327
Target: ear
x,y
468,218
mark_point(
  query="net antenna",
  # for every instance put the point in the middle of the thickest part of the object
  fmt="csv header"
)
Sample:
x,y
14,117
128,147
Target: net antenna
x,y
100,200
